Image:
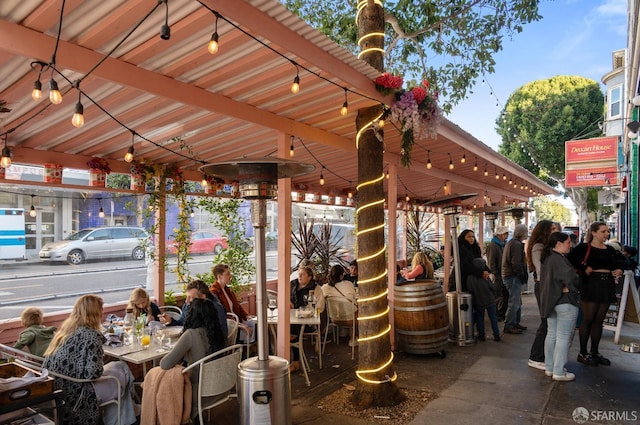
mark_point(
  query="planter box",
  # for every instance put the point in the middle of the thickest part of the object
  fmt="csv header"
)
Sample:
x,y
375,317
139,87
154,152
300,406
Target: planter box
x,y
52,173
97,178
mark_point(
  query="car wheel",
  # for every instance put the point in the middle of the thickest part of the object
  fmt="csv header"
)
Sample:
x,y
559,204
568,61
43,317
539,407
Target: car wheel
x,y
217,249
138,253
75,257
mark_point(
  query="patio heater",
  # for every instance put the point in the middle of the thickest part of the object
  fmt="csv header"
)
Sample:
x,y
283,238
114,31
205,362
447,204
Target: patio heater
x,y
264,388
518,213
458,302
490,214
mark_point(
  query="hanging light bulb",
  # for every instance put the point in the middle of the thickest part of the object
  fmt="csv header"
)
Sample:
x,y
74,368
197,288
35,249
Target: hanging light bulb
x,y
5,161
101,213
78,116
350,194
291,152
322,177
486,173
204,181
475,165
32,210
406,198
429,165
381,122
165,30
463,159
295,87
345,106
54,93
504,176
128,157
212,47
450,162
36,93
510,180
497,175
387,174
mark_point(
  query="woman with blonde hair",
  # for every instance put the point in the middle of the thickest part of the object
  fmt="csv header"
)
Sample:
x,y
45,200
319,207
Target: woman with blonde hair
x,y
421,267
76,351
140,302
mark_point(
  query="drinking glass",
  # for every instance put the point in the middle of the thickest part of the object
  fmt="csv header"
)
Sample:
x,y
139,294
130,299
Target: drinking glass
x,y
160,338
145,338
273,304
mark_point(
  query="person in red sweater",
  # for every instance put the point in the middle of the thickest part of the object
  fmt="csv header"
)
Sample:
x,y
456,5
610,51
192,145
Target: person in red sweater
x,y
228,298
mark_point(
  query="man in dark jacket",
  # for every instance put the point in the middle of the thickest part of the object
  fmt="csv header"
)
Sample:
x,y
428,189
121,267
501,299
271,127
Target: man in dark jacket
x,y
514,275
494,262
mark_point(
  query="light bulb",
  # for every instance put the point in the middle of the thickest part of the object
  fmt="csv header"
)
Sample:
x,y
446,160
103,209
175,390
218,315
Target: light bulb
x,y
291,152
463,159
5,162
450,165
486,173
429,164
54,94
204,182
295,87
381,123
128,157
497,176
387,174
101,213
212,47
321,180
32,211
36,93
406,198
345,109
78,116
350,195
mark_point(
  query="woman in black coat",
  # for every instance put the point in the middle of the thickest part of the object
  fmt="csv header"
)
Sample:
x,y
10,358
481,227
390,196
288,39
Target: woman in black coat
x,y
468,249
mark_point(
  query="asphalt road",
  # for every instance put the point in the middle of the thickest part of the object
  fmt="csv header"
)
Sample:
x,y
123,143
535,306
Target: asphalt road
x,y
55,287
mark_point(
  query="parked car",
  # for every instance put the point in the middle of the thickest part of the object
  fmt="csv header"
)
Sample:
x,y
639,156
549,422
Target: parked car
x,y
202,242
97,243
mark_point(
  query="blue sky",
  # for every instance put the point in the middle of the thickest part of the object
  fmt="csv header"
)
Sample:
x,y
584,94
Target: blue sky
x,y
574,37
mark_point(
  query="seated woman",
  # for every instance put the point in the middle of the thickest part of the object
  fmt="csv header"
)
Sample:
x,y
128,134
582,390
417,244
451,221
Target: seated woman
x,y
300,289
140,302
338,287
76,351
421,267
36,336
201,336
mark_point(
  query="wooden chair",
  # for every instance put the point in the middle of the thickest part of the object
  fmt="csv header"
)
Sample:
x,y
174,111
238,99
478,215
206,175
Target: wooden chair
x,y
341,312
217,376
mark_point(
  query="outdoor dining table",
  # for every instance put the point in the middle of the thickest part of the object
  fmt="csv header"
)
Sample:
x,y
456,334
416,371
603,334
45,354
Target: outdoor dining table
x,y
313,321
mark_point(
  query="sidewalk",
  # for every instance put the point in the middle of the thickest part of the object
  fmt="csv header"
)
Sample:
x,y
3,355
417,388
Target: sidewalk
x,y
488,383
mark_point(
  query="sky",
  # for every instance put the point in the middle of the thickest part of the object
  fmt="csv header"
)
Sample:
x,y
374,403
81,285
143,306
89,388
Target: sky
x,y
574,37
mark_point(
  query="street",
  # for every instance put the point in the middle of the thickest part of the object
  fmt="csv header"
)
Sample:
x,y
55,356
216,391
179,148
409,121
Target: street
x,y
55,287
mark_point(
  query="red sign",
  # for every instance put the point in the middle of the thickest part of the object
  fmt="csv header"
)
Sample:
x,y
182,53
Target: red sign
x,y
591,177
592,150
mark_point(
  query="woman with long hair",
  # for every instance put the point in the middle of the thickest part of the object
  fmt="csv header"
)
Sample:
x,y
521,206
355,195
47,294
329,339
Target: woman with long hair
x,y
421,267
535,246
597,263
76,351
141,303
336,287
201,336
468,249
558,303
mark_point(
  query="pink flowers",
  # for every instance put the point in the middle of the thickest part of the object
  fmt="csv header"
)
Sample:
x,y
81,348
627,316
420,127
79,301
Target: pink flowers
x,y
388,81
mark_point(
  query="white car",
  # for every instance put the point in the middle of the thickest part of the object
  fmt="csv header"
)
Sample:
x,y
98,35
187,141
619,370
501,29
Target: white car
x,y
98,243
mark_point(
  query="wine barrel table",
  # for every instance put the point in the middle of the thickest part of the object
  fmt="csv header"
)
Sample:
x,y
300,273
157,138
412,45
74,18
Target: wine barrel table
x,y
421,317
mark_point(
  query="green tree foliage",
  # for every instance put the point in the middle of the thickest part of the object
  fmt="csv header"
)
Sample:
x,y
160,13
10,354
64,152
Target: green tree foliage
x,y
451,43
540,117
549,209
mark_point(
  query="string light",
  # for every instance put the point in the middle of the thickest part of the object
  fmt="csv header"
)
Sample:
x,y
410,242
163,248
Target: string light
x,y
345,106
407,198
496,171
291,151
54,93
165,30
36,93
464,158
101,212
504,176
204,182
5,161
295,87
78,116
486,173
475,165
387,175
322,177
128,157
212,47
450,162
32,210
429,160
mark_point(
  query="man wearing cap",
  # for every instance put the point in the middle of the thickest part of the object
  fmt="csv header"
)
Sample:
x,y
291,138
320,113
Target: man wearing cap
x,y
494,262
514,275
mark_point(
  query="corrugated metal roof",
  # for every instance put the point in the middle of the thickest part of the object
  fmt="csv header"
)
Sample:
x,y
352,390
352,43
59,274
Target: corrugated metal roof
x,y
235,103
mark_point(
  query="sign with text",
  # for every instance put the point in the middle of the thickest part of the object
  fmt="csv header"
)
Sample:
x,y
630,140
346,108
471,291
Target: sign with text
x,y
591,162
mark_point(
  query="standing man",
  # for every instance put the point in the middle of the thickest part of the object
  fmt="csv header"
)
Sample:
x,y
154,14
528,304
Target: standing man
x,y
514,275
494,262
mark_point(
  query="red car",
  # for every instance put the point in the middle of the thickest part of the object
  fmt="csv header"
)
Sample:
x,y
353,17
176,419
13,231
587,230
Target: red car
x,y
203,242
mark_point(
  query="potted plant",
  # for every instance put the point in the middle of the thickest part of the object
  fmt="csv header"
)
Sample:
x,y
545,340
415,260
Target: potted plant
x,y
98,170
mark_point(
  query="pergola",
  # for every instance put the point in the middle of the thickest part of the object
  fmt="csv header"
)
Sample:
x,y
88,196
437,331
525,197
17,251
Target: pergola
x,y
228,105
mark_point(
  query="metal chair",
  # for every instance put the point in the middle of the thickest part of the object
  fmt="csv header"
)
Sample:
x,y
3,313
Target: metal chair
x,y
217,376
341,312
8,353
232,328
172,311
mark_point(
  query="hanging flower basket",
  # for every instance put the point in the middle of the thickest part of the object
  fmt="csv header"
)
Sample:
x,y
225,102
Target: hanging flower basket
x,y
97,177
53,173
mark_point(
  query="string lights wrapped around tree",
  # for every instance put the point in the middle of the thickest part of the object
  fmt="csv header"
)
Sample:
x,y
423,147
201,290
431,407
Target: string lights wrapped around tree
x,y
416,110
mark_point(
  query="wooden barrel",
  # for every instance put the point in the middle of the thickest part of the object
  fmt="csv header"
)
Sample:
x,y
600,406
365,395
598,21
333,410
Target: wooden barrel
x,y
421,317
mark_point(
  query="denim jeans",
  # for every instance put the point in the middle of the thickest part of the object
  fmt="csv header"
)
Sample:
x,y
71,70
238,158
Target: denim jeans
x,y
514,309
478,318
561,325
537,348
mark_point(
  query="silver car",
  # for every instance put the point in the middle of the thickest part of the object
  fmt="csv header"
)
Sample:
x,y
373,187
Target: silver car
x,y
98,243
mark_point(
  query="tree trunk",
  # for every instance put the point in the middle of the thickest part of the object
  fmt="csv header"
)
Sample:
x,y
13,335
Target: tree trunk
x,y
376,376
579,198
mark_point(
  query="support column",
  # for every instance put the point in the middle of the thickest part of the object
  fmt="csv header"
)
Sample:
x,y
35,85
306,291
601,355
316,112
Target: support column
x,y
284,254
